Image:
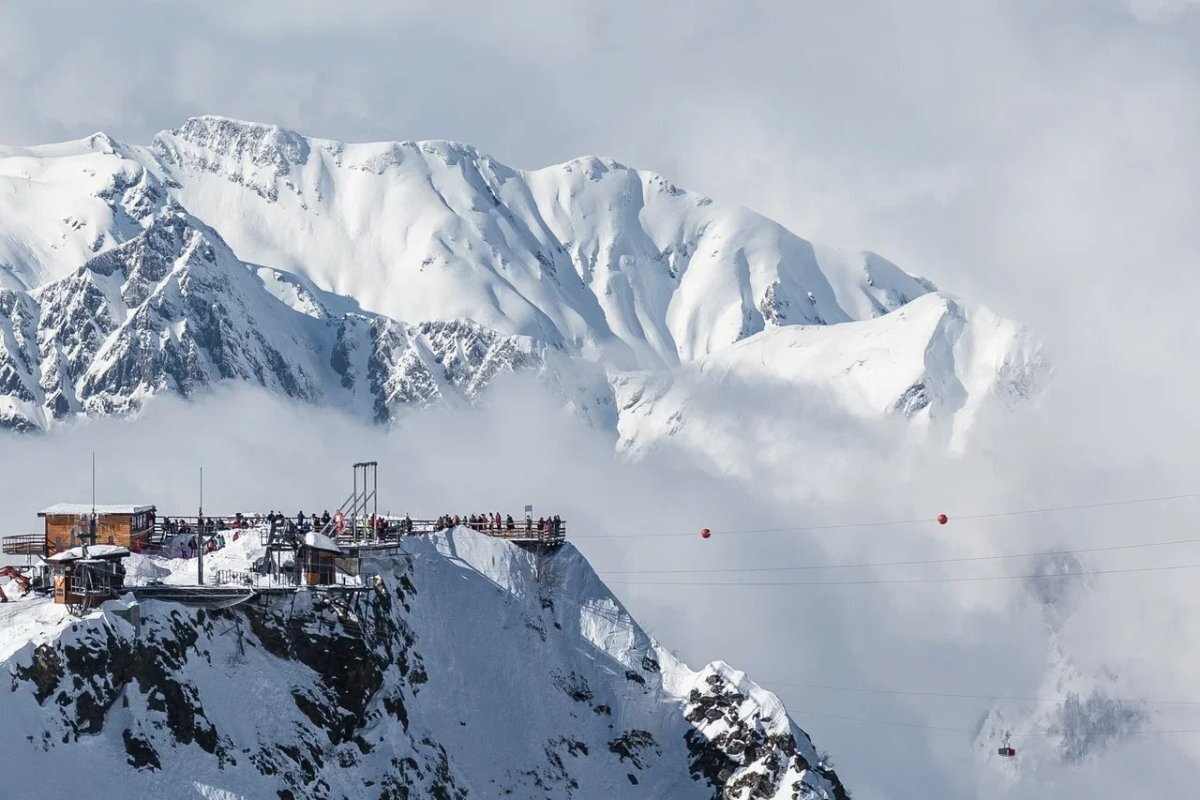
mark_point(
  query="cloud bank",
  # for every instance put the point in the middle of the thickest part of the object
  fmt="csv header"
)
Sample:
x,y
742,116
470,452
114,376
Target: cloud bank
x,y
1038,157
916,632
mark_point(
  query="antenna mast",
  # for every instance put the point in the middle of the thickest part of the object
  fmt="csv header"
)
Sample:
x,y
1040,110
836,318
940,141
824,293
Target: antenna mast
x,y
91,534
200,534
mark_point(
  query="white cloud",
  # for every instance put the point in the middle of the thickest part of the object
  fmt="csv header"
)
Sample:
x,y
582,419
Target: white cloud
x,y
976,638
1039,157
1160,11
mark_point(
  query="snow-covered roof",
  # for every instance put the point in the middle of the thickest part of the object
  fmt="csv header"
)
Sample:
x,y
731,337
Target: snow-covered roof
x,y
319,541
85,509
94,551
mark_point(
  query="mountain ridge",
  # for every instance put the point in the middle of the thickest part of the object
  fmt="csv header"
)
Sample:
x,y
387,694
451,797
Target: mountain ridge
x,y
584,273
473,668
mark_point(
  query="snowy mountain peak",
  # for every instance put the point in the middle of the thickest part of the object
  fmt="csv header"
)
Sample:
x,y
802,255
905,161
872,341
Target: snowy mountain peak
x,y
245,142
333,264
475,668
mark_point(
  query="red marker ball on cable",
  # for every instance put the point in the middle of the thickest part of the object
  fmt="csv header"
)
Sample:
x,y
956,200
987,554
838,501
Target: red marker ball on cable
x,y
704,534
942,519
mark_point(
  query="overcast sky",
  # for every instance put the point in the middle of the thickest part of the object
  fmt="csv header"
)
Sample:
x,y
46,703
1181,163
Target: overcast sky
x,y
1008,149
1039,156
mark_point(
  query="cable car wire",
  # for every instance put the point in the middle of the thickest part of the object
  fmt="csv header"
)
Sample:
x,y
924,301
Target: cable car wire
x,y
916,562
1032,734
796,713
956,695
907,521
621,614
940,579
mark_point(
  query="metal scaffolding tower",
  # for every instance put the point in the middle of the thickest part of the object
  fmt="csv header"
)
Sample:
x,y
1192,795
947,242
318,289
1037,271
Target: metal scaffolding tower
x,y
364,500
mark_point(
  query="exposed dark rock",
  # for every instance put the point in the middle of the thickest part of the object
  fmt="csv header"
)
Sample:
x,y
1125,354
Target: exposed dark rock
x,y
740,758
632,745
575,686
141,753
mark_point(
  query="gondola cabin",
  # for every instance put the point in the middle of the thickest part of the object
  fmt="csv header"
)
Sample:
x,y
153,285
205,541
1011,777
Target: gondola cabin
x,y
86,577
68,524
317,558
1008,752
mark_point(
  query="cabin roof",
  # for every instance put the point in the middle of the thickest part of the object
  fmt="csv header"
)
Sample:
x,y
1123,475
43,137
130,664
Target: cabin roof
x,y
319,541
95,551
85,509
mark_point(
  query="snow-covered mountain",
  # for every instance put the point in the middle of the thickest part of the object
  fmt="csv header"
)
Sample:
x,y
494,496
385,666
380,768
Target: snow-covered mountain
x,y
174,310
475,669
1095,713
378,276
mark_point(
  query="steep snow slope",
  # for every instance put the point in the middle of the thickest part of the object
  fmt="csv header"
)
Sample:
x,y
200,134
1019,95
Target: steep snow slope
x,y
373,277
1098,711
937,362
62,204
174,310
478,670
617,264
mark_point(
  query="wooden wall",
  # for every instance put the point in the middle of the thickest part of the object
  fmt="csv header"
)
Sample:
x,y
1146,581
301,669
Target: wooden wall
x,y
62,576
110,529
318,567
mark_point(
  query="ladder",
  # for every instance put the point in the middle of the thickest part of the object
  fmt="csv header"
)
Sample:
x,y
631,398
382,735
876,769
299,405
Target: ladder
x,y
362,502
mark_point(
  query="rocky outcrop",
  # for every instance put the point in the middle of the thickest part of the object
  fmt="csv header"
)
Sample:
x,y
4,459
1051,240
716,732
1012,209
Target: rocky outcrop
x,y
472,669
744,754
174,311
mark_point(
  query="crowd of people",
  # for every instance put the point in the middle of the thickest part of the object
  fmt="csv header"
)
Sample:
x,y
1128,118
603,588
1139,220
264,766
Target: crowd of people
x,y
189,534
494,523
370,525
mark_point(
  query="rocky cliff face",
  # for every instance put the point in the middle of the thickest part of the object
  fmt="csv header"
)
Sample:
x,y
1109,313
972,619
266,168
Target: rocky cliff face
x,y
378,277
474,669
173,310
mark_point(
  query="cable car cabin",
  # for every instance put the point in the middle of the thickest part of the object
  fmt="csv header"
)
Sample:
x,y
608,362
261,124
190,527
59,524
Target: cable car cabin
x,y
87,576
317,558
69,524
1008,752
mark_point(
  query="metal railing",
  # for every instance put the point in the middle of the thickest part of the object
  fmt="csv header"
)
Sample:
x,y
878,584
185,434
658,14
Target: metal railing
x,y
522,530
25,544
393,529
234,577
353,531
275,580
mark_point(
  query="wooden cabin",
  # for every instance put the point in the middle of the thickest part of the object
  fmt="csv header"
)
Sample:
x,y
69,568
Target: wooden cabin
x,y
87,576
317,558
127,526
